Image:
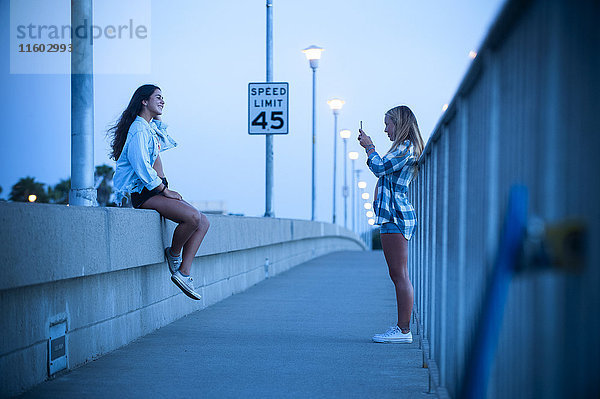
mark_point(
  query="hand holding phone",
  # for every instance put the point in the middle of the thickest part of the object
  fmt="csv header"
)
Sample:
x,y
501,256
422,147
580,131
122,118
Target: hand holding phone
x,y
363,139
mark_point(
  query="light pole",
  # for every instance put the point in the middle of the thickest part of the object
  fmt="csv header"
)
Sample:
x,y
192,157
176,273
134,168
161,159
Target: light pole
x,y
361,185
353,155
363,225
269,137
345,134
83,192
335,105
313,54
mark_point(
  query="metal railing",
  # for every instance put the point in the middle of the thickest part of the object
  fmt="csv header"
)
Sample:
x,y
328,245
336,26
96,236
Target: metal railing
x,y
526,113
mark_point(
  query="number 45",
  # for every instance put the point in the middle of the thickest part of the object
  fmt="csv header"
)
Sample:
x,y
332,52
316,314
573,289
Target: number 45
x,y
261,121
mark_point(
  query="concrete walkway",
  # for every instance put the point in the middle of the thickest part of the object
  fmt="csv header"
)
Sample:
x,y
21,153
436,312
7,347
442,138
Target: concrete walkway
x,y
305,333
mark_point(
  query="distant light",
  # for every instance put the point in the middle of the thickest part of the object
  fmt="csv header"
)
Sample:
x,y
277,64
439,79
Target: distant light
x,y
368,206
336,104
345,134
362,184
371,222
365,196
472,54
353,155
32,198
370,214
444,107
313,52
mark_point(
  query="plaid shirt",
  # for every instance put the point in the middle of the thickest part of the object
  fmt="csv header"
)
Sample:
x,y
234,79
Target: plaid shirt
x,y
395,171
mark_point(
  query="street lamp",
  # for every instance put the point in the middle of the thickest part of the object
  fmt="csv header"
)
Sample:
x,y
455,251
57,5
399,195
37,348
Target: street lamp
x,y
362,225
32,198
313,54
353,155
335,105
361,185
345,134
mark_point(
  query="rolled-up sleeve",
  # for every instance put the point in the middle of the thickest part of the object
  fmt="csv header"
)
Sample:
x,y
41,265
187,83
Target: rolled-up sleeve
x,y
139,159
391,163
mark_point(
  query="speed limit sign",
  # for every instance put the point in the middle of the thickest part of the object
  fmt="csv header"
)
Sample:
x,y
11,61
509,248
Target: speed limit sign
x,y
268,108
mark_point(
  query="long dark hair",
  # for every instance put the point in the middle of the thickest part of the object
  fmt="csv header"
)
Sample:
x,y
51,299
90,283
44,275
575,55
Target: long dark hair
x,y
118,133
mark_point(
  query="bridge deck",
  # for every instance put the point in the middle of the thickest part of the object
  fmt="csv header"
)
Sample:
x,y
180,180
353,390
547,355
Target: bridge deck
x,y
304,333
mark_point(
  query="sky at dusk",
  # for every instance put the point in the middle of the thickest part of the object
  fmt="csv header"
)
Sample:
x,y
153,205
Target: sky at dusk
x,y
203,54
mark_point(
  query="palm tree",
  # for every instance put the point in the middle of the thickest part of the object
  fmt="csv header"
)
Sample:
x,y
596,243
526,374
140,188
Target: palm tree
x,y
104,175
25,187
59,194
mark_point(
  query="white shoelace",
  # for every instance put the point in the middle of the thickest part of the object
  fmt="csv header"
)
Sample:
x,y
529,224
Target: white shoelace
x,y
393,330
190,282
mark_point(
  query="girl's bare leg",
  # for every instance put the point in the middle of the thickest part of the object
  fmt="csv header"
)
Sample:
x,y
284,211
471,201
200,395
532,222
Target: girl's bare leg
x,y
395,249
193,243
191,229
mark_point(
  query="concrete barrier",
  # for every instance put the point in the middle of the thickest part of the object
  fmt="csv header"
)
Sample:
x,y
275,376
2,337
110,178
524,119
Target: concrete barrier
x,y
100,274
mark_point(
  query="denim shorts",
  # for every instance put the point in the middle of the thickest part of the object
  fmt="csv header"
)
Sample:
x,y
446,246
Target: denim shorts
x,y
138,199
389,228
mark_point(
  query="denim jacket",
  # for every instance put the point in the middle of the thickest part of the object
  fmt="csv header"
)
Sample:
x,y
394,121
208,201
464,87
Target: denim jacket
x,y
134,167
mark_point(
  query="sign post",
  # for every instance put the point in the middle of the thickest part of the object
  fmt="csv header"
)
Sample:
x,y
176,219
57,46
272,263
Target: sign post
x,y
268,108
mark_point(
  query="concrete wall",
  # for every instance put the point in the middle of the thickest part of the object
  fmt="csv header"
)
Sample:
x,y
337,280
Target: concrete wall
x,y
103,271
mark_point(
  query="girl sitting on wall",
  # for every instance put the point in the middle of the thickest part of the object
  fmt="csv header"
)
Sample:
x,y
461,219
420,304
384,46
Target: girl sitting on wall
x,y
136,140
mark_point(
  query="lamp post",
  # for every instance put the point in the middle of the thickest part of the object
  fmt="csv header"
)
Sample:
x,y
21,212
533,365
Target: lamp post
x,y
366,205
313,54
335,105
361,185
345,134
353,155
269,137
83,192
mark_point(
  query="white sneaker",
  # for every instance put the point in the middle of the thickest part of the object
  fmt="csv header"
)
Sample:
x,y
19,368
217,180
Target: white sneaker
x,y
186,284
393,336
173,261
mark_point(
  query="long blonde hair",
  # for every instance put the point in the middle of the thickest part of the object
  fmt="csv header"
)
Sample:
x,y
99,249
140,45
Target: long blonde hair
x,y
405,128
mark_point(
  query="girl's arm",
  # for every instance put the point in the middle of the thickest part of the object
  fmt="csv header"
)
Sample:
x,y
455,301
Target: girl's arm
x,y
385,166
389,164
158,167
162,189
140,160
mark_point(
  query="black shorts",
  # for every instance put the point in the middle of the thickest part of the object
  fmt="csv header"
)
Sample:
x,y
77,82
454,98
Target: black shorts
x,y
138,199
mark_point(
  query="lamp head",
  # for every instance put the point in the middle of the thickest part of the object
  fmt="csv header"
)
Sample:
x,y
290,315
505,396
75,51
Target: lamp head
x,y
336,104
345,134
353,155
313,55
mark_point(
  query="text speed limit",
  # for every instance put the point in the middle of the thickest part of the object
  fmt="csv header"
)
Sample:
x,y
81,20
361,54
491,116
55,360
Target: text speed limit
x,y
268,108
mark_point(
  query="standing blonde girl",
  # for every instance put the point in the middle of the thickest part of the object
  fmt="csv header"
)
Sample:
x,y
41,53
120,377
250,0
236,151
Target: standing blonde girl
x,y
394,212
